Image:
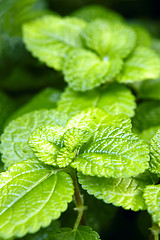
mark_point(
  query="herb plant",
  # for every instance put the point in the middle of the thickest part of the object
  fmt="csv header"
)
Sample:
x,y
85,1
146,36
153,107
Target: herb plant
x,y
90,139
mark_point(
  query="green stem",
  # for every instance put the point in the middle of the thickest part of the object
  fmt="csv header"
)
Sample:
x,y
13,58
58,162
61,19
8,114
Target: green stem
x,y
155,231
79,202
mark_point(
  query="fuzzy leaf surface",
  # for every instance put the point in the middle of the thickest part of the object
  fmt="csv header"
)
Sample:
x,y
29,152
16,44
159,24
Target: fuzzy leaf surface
x,y
82,233
142,64
51,38
126,193
113,151
28,192
83,70
152,200
150,89
155,153
109,38
14,145
114,99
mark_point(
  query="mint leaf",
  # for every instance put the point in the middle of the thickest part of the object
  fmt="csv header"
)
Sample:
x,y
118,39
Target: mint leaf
x,y
152,200
155,153
84,70
51,38
92,12
14,147
113,151
82,233
142,64
127,193
45,143
52,145
114,99
101,36
20,188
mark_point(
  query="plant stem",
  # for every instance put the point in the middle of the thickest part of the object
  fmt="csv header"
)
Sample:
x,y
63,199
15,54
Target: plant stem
x,y
155,231
79,202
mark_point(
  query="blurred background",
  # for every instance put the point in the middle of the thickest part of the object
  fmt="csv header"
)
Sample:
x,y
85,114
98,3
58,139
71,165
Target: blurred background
x,y
22,76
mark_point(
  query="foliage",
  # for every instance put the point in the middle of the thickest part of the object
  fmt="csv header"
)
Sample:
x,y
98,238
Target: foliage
x,y
80,113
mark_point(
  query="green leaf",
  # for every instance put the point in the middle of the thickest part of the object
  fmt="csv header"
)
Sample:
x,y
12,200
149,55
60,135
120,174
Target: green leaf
x,y
143,36
31,195
113,151
14,145
109,38
126,193
156,45
84,70
114,99
152,200
46,99
82,233
142,64
51,38
92,12
45,143
52,145
155,153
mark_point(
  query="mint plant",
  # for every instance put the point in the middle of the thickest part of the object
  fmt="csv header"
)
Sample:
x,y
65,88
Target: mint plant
x,y
98,139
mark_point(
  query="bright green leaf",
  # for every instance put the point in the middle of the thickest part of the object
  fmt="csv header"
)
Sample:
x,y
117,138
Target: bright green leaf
x,y
113,151
155,153
92,12
152,200
142,64
127,193
14,145
114,99
51,38
109,38
82,233
31,195
84,70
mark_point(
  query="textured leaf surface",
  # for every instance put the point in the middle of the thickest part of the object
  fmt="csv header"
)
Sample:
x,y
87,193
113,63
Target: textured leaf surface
x,y
82,233
28,193
113,151
127,193
155,152
109,38
46,99
152,200
84,70
142,64
114,99
51,38
92,12
14,145
55,146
